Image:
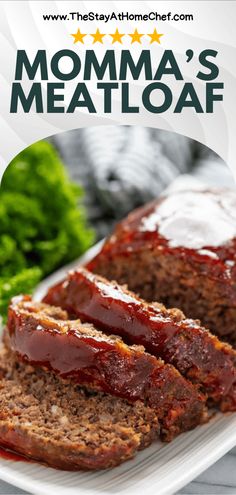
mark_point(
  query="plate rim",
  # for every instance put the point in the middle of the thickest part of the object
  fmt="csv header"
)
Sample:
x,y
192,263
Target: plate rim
x,y
174,485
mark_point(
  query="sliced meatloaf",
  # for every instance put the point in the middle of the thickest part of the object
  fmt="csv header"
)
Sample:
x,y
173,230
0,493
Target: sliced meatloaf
x,y
194,351
180,250
43,335
60,424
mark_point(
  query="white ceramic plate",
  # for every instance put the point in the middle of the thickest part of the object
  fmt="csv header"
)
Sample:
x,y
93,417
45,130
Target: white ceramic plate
x,y
161,469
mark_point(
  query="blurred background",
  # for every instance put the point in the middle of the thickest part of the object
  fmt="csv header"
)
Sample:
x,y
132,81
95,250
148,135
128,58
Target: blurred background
x,y
61,195
123,167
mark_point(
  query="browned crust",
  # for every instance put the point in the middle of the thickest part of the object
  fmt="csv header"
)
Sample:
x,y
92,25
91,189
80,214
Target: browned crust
x,y
194,351
28,424
65,457
103,362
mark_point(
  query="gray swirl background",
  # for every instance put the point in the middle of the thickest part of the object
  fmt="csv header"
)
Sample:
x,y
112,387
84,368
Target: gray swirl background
x,y
22,27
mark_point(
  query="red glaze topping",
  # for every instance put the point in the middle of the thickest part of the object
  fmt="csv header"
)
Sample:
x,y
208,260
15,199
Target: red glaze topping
x,y
42,335
196,353
9,455
197,225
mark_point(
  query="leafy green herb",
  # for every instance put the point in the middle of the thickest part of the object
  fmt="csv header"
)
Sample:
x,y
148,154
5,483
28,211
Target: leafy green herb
x,y
24,281
42,221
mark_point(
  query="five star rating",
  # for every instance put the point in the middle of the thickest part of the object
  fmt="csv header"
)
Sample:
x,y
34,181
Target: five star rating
x,y
118,37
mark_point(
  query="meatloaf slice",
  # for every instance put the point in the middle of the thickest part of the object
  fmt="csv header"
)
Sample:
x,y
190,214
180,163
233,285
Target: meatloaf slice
x,y
43,335
58,423
194,351
180,250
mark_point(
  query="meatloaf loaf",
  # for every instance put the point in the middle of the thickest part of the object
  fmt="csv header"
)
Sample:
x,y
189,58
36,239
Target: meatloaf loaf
x,y
194,351
42,335
180,250
58,423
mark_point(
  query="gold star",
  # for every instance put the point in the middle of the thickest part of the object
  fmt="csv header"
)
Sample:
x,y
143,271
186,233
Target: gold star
x,y
78,37
136,36
155,36
117,37
97,37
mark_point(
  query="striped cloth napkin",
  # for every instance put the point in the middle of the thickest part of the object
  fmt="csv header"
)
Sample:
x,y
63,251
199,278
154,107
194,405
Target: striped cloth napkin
x,y
131,165
122,167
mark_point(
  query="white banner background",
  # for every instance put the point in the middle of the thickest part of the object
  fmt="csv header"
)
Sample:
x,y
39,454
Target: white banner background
x,y
22,27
